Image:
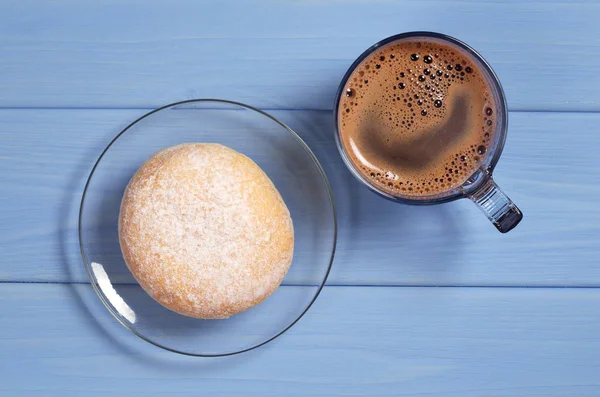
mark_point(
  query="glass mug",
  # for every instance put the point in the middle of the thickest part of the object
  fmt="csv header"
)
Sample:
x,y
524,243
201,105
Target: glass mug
x,y
479,186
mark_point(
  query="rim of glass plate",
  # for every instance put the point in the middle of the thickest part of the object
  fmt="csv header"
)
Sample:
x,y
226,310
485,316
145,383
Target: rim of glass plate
x,y
103,297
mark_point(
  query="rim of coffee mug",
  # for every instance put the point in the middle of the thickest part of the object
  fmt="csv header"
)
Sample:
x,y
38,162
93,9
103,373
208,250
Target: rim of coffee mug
x,y
500,133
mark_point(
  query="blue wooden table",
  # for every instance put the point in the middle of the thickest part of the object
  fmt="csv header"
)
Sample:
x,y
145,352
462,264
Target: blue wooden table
x,y
420,302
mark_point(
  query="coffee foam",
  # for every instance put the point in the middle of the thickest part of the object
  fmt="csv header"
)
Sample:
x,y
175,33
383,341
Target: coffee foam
x,y
417,117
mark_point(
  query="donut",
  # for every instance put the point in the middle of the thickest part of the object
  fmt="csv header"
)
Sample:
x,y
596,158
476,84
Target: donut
x,y
204,231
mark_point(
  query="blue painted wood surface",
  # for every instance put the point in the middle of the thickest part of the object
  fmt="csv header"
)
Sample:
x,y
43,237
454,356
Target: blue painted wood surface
x,y
275,54
48,158
518,313
355,341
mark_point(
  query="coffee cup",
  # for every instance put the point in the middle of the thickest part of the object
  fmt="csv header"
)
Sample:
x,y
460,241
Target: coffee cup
x,y
421,118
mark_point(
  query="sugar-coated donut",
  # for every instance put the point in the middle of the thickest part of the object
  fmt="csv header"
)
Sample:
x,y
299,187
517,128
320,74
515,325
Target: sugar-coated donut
x,y
204,230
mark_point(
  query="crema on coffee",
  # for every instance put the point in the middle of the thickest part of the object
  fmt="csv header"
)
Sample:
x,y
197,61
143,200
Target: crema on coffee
x,y
417,117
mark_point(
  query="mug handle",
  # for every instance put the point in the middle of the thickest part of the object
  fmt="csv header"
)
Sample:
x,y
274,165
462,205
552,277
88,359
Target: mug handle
x,y
496,205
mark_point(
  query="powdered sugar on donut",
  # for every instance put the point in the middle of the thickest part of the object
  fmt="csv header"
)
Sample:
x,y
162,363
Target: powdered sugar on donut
x,y
204,231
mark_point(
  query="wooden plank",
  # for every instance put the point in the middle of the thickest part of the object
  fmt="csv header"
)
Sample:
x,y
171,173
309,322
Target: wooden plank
x,y
549,168
457,342
278,54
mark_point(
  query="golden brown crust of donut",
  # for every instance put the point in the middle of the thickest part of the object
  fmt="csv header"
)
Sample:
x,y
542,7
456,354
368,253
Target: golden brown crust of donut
x,y
204,231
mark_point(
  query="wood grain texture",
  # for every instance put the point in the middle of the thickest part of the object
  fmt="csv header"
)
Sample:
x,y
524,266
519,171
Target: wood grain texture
x,y
278,54
549,169
455,342
69,68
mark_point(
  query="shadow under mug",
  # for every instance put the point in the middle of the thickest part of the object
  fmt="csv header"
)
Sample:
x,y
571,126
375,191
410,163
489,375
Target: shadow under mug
x,y
480,186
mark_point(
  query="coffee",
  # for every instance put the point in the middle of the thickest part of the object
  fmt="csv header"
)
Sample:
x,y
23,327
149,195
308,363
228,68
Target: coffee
x,y
417,117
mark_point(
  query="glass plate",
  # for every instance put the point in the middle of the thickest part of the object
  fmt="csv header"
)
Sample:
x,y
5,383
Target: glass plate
x,y
294,170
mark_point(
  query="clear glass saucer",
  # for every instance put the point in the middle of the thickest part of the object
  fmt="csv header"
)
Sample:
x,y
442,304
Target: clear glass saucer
x,y
294,170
